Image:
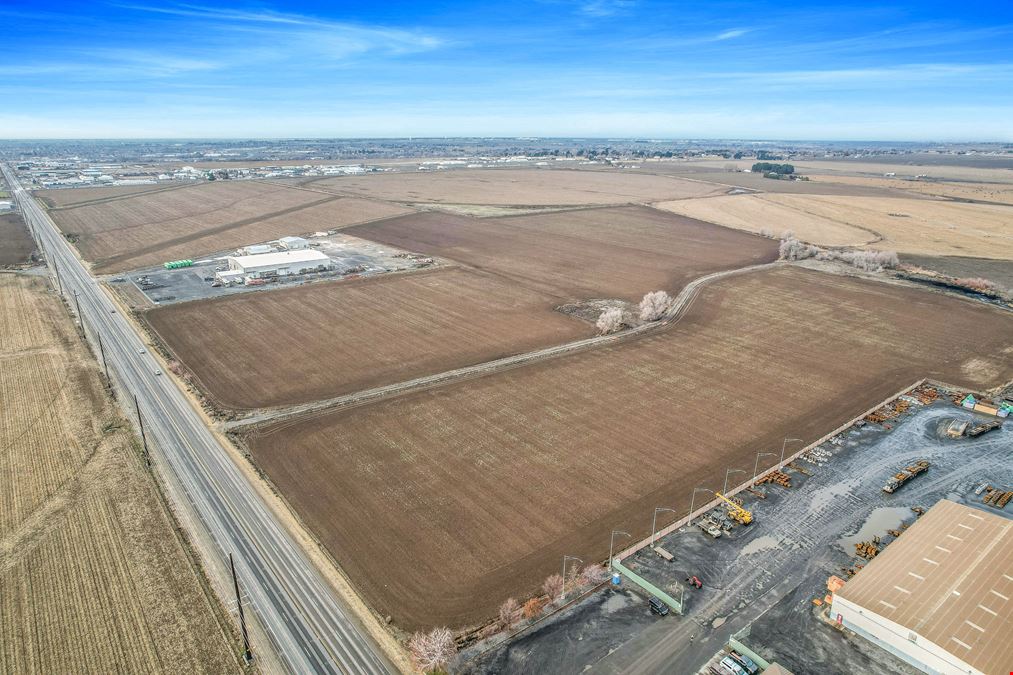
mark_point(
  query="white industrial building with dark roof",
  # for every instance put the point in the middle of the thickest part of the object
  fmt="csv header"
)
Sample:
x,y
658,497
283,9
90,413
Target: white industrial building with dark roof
x,y
940,596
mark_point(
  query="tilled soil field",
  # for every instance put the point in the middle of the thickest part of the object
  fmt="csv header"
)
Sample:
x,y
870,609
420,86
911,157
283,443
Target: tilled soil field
x,y
619,252
321,340
442,503
138,231
68,196
16,244
519,187
94,576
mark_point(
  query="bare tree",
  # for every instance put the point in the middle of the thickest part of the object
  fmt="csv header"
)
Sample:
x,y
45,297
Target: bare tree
x,y
610,320
593,574
533,608
766,232
654,305
793,249
573,576
509,612
553,586
432,650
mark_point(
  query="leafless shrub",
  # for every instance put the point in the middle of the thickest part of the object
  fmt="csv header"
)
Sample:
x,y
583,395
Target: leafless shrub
x,y
553,586
980,285
432,650
787,234
870,261
766,232
654,305
533,608
573,576
509,612
610,321
793,249
593,575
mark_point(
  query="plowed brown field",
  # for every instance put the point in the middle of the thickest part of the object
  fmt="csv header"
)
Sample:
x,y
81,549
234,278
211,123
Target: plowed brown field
x,y
519,187
577,255
93,574
16,244
442,503
152,227
304,343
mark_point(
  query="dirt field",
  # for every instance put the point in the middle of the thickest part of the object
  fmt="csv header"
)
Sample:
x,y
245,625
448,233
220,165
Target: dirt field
x,y
94,578
323,340
578,255
138,231
919,226
16,244
999,193
78,196
518,187
472,492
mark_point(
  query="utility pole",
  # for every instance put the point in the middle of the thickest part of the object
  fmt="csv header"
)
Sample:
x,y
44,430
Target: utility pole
x,y
104,366
144,439
77,301
242,619
58,280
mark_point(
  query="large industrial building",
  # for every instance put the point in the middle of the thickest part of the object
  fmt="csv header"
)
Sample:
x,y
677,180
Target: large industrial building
x,y
940,596
278,264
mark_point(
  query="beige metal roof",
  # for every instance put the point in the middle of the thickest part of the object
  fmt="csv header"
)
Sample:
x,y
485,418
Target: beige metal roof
x,y
948,578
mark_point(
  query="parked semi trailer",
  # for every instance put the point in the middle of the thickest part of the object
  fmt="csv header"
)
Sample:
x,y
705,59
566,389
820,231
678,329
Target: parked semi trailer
x,y
906,474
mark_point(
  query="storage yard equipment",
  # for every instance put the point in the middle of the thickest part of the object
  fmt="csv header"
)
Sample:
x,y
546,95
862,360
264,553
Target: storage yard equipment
x,y
983,428
735,511
906,474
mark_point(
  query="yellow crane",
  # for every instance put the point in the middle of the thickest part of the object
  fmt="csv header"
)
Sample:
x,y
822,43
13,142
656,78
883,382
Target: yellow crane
x,y
736,512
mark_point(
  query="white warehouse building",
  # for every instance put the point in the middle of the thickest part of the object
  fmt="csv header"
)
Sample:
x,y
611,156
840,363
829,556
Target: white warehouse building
x,y
941,596
279,264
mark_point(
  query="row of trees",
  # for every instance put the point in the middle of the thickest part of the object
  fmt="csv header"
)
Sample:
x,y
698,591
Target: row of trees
x,y
768,167
869,261
433,650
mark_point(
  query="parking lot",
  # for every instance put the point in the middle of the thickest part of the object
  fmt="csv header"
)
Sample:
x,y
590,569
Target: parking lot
x,y
350,256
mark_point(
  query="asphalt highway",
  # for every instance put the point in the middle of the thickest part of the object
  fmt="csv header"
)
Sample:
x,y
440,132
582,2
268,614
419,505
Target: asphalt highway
x,y
310,628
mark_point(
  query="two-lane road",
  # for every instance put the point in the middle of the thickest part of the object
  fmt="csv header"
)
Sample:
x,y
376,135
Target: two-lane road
x,y
311,629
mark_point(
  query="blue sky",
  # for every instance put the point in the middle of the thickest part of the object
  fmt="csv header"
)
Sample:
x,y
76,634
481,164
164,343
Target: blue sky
x,y
643,68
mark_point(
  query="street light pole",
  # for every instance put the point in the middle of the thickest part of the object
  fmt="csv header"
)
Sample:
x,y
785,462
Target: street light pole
x,y
786,441
565,558
654,521
692,501
612,542
756,464
727,473
77,301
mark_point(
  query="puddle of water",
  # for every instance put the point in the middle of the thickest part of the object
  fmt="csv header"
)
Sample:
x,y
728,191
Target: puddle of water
x,y
763,543
879,521
827,495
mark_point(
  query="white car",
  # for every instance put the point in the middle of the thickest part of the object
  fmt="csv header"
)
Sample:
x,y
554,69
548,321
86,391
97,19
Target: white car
x,y
158,372
141,350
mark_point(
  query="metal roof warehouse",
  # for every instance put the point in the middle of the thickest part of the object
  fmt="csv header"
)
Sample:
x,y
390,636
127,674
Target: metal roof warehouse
x,y
939,597
281,263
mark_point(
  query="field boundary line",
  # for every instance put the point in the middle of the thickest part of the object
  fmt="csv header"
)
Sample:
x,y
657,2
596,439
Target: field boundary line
x,y
644,543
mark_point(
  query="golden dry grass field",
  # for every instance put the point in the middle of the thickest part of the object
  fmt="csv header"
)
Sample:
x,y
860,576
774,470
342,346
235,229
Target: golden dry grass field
x,y
442,503
921,226
93,575
518,187
999,193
